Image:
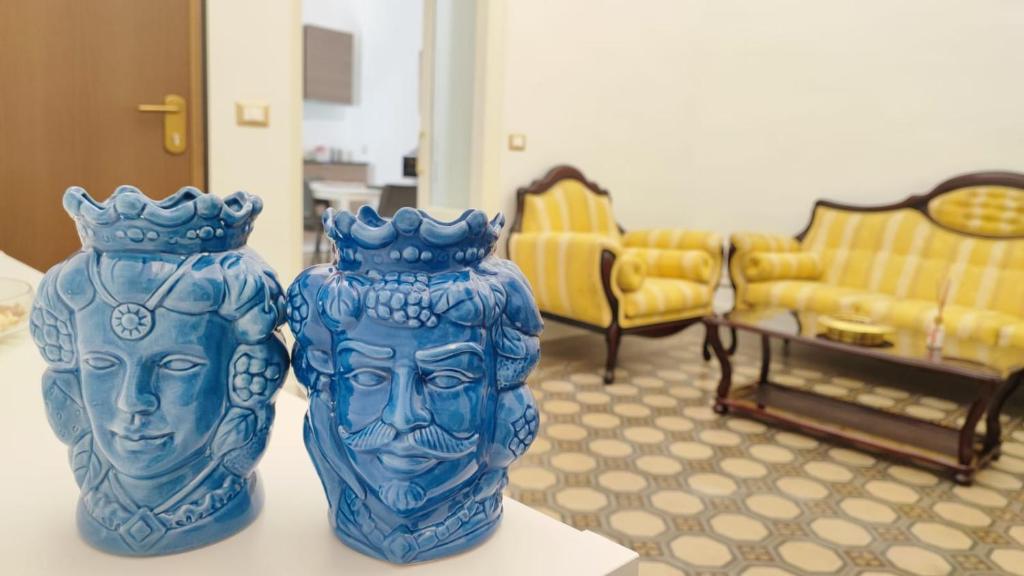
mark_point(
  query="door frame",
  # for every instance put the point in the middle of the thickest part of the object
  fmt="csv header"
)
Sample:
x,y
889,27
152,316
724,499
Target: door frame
x,y
199,161
487,122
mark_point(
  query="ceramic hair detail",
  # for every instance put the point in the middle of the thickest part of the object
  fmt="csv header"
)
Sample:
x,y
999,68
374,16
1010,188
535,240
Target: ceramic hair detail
x,y
415,349
188,221
164,359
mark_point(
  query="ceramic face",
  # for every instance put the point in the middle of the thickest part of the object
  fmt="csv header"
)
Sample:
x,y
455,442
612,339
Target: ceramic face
x,y
415,354
164,361
141,399
411,404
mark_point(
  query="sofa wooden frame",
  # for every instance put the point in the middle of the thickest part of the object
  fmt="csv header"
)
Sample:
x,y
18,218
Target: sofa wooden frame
x,y
613,333
920,202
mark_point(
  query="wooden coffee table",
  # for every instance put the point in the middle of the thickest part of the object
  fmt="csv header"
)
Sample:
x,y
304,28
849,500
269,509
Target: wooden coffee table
x,y
992,374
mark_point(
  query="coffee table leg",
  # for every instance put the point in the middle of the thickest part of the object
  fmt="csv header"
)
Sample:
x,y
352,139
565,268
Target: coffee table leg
x,y
734,341
766,359
715,339
994,426
966,453
766,363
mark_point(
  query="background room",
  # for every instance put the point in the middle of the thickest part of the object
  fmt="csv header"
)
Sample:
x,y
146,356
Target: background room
x,y
360,116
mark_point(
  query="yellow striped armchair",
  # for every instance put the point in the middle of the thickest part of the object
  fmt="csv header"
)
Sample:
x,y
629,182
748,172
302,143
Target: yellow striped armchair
x,y
887,262
587,272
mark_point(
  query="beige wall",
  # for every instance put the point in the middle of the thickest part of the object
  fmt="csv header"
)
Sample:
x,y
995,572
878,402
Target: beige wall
x,y
737,114
254,53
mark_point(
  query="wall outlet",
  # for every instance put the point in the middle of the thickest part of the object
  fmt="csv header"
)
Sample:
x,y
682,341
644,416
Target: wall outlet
x,y
517,142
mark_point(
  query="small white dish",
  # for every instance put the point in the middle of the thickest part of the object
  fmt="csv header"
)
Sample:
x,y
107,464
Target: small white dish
x,y
15,305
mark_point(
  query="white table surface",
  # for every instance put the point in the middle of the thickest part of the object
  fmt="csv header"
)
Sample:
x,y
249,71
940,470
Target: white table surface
x,y
38,497
342,195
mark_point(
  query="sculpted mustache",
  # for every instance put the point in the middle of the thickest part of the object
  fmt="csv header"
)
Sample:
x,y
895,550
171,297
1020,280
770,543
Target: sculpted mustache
x,y
431,439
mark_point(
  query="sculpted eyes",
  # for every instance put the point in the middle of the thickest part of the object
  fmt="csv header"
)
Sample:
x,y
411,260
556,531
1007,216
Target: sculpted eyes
x,y
368,377
449,378
100,362
180,363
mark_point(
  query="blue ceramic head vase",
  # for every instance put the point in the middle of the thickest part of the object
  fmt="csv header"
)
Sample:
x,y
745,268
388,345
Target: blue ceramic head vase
x,y
414,349
160,336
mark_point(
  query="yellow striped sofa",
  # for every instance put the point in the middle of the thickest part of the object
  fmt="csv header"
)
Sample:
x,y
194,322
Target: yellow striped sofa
x,y
889,262
587,272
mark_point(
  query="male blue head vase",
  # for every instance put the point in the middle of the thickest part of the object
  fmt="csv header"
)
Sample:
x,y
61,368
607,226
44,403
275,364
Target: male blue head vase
x,y
414,348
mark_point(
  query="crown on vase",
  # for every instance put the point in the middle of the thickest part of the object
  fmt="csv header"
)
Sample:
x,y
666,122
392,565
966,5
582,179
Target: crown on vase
x,y
186,222
411,241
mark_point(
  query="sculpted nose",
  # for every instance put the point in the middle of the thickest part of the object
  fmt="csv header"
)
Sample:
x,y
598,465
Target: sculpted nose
x,y
406,409
136,395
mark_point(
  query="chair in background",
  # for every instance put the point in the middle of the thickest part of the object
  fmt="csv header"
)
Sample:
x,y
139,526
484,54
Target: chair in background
x,y
395,196
312,214
587,272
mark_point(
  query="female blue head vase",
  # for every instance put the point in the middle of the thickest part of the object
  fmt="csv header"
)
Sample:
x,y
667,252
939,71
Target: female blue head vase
x,y
164,358
414,348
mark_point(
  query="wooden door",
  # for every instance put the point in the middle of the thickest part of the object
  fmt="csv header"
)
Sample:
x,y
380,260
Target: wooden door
x,y
72,76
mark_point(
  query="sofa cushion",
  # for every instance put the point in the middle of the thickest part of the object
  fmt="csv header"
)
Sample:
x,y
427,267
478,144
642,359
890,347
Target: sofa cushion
x,y
905,255
804,295
665,296
961,322
761,266
1012,335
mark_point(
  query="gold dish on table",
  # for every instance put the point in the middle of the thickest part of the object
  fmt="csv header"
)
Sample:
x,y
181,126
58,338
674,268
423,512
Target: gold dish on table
x,y
854,329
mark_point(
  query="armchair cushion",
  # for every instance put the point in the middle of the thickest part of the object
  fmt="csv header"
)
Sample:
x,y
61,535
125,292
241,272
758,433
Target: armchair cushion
x,y
694,265
663,299
630,272
564,271
761,266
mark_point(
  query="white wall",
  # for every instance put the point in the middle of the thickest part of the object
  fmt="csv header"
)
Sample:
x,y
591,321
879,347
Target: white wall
x,y
737,114
253,52
383,124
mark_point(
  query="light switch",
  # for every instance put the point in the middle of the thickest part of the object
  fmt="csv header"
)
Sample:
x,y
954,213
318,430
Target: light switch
x,y
252,113
517,142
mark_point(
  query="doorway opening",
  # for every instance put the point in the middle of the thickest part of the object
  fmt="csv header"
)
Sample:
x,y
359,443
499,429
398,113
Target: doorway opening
x,y
361,109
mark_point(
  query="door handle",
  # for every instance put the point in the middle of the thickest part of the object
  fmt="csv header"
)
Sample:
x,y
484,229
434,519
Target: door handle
x,y
159,108
174,111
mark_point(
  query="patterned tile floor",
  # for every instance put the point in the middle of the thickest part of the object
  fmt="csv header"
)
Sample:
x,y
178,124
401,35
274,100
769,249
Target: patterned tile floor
x,y
648,464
